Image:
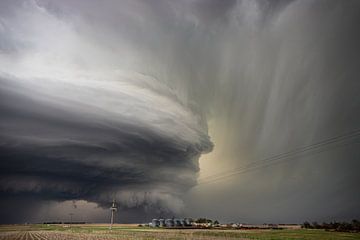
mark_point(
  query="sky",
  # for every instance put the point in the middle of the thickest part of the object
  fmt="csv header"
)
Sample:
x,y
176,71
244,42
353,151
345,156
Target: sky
x,y
240,111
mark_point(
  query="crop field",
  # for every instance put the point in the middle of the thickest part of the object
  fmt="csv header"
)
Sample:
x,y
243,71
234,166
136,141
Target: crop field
x,y
132,232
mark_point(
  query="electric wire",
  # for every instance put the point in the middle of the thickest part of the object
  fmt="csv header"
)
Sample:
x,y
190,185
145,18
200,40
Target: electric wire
x,y
280,157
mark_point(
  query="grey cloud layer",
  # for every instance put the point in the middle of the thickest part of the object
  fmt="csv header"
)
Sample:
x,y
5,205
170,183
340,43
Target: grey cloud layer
x,y
116,97
89,142
72,131
288,77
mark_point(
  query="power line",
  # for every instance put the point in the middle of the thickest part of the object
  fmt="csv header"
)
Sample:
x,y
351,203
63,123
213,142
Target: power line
x,y
250,169
279,157
275,159
294,151
298,150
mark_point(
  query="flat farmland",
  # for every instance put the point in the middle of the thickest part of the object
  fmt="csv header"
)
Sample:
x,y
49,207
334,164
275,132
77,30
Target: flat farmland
x,y
132,232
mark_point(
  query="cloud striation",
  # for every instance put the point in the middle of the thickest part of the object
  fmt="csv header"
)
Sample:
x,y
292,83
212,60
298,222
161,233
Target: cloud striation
x,y
104,98
74,130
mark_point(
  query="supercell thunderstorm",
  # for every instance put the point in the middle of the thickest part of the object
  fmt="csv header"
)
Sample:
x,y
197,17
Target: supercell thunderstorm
x,y
72,129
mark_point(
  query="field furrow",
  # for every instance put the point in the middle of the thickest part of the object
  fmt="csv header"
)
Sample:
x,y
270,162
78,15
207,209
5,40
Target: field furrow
x,y
127,232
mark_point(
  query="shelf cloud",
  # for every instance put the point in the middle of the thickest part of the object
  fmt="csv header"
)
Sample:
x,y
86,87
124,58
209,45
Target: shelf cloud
x,y
122,99
72,131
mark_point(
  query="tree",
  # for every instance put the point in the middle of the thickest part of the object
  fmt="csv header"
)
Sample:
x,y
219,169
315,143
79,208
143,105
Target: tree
x,y
306,224
203,220
355,225
316,225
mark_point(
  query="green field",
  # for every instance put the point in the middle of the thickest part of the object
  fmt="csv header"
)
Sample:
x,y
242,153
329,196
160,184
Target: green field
x,y
98,231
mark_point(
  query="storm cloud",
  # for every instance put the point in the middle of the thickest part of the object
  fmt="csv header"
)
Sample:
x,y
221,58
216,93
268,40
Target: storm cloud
x,y
70,133
120,99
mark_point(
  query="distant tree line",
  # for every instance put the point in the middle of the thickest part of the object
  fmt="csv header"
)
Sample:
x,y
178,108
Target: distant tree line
x,y
203,220
63,222
206,220
353,226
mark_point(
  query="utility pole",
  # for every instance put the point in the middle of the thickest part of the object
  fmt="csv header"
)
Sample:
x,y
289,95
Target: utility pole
x,y
113,210
71,214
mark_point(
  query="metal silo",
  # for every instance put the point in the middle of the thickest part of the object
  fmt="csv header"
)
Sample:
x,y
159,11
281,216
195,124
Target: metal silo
x,y
169,223
155,223
162,223
177,222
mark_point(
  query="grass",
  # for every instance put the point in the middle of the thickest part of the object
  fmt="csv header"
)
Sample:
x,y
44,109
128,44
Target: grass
x,y
303,234
130,232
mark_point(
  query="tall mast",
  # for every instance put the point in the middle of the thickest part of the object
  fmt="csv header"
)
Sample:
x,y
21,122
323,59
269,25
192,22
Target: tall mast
x,y
113,210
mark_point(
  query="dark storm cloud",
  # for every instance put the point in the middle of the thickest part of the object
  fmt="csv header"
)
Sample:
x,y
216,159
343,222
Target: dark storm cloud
x,y
71,133
62,148
287,82
114,98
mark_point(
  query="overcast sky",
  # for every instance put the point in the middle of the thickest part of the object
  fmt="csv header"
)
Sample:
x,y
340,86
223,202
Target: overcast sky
x,y
241,111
